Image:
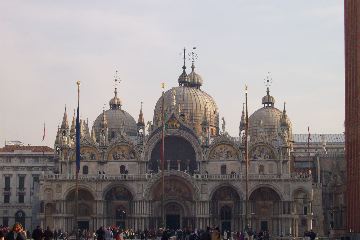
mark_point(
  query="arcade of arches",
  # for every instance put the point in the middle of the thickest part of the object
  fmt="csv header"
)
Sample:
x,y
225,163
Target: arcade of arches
x,y
199,192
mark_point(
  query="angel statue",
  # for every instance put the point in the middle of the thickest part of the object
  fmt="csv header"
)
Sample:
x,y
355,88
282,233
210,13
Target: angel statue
x,y
223,124
149,126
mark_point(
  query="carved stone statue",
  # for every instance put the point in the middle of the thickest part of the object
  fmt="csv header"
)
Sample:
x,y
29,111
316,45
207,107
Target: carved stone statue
x,y
223,124
173,103
149,126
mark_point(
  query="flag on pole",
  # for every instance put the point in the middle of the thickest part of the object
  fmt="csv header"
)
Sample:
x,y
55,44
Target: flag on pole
x,y
43,138
78,133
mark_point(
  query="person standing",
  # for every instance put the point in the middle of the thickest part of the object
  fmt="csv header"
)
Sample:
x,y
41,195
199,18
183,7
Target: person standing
x,y
48,234
100,234
215,234
37,234
16,233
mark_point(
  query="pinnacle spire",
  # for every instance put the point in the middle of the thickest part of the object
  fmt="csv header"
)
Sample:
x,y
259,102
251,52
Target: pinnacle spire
x,y
65,124
115,102
103,120
141,121
183,78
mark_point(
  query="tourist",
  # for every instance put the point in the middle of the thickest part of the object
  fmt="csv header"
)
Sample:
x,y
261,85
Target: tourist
x,y
37,234
215,234
48,234
2,235
100,234
16,233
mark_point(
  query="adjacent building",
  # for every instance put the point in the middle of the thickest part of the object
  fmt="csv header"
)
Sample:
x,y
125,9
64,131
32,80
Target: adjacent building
x,y
21,168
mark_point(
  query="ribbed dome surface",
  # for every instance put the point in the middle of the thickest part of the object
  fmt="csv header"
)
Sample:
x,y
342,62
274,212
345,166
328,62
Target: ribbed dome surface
x,y
266,120
116,120
193,102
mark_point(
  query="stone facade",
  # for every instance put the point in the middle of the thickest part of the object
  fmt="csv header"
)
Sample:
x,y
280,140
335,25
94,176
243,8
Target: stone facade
x,y
120,179
21,168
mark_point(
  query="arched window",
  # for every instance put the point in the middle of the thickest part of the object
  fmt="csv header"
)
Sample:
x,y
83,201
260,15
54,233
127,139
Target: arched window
x,y
122,169
85,170
223,169
261,169
20,217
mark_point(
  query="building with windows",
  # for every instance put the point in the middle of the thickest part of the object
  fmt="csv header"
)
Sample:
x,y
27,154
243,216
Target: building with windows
x,y
21,168
204,172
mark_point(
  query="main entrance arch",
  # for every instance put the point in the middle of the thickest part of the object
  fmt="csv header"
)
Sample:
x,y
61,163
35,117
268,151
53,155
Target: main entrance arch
x,y
265,210
117,206
178,203
226,208
85,208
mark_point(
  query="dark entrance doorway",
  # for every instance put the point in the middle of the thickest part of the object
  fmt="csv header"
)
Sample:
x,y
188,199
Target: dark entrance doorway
x,y
173,221
83,225
264,225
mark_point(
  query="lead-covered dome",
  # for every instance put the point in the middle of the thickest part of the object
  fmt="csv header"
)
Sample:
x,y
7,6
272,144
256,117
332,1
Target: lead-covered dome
x,y
268,120
191,102
116,120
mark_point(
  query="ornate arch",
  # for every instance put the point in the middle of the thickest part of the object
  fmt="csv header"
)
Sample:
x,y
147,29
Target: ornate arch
x,y
81,186
155,138
87,152
262,151
225,150
223,185
272,187
115,185
173,174
121,151
299,189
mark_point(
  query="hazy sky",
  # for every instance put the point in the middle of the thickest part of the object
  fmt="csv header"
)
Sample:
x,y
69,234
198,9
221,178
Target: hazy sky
x,y
46,46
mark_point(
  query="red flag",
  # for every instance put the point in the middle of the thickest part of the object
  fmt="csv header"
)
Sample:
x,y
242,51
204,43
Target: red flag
x,y
43,138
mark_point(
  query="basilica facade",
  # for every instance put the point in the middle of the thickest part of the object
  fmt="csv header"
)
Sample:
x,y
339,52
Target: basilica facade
x,y
120,178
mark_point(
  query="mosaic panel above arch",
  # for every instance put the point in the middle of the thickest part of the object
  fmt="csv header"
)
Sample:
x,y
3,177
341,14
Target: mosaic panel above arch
x,y
87,153
121,152
261,152
224,152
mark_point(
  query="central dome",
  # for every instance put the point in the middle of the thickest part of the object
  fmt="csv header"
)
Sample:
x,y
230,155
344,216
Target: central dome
x,y
116,120
191,102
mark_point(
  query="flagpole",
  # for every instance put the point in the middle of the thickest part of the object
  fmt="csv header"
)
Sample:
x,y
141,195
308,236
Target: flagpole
x,y
246,158
77,162
162,159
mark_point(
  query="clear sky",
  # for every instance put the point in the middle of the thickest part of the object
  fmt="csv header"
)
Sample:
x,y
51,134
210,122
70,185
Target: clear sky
x,y
46,46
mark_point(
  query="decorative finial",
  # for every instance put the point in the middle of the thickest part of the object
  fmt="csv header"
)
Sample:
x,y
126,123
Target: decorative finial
x,y
184,56
193,56
117,80
284,107
268,82
163,86
141,105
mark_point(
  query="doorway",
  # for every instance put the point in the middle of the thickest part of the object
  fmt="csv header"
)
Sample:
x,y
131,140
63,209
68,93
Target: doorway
x,y
83,225
264,226
173,221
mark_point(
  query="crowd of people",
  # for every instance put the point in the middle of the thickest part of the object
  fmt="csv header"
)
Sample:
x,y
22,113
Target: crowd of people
x,y
17,232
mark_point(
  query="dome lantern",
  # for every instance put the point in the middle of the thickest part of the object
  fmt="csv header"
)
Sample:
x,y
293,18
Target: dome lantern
x,y
268,100
183,78
115,102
